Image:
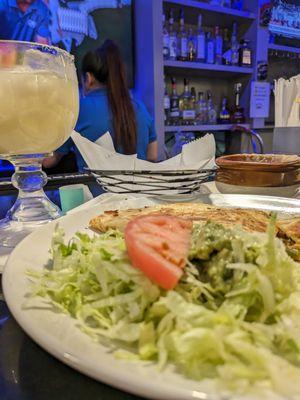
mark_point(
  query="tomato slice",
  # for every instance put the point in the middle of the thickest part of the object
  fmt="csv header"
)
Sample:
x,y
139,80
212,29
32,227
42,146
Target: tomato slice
x,y
158,245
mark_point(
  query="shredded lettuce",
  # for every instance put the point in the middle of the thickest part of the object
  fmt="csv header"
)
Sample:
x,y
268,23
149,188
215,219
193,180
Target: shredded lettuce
x,y
233,317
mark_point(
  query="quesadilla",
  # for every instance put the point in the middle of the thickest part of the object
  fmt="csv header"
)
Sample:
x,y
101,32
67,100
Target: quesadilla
x,y
250,220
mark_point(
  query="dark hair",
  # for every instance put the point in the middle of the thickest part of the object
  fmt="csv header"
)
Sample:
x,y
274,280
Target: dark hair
x,y
107,66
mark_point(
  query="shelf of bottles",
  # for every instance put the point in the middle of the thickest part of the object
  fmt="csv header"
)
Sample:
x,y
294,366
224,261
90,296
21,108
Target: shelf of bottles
x,y
189,113
210,51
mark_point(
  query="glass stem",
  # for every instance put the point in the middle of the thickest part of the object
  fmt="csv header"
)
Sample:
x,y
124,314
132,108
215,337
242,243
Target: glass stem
x,y
32,203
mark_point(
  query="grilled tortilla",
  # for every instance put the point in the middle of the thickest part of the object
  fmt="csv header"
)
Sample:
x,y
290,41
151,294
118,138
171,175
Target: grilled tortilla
x,y
250,220
289,231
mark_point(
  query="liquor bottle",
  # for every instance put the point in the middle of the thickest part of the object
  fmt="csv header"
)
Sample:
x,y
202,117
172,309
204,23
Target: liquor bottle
x,y
201,109
172,37
234,45
245,54
238,116
210,49
193,97
201,41
218,46
182,54
167,106
226,3
187,106
166,40
211,110
224,117
191,46
194,103
226,48
174,105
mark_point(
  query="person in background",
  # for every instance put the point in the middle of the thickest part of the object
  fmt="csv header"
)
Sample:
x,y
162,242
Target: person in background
x,y
24,20
108,107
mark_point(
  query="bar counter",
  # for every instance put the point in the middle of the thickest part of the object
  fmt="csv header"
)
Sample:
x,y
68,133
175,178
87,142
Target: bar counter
x,y
27,372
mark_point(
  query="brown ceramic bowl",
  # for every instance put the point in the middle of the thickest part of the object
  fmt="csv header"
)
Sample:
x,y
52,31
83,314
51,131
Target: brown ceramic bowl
x,y
259,170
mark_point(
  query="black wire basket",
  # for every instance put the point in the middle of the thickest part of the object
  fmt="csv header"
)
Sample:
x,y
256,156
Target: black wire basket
x,y
154,183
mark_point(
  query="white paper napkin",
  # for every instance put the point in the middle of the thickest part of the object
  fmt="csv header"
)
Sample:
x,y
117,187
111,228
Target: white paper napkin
x,y
98,157
101,155
287,109
106,142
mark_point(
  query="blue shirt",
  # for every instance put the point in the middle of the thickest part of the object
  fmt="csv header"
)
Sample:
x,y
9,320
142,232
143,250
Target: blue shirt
x,y
95,119
16,25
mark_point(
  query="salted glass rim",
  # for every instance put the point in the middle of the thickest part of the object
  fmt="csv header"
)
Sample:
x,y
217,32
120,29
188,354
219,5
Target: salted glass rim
x,y
64,53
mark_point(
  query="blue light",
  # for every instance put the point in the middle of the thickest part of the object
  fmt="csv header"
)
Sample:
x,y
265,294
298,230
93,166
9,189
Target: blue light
x,y
6,166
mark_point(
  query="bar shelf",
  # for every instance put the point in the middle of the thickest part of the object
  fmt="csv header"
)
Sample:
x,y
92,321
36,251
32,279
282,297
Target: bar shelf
x,y
208,69
203,128
288,49
224,12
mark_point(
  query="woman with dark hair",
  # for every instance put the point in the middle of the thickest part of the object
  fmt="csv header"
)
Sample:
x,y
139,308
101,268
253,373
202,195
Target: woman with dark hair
x,y
108,106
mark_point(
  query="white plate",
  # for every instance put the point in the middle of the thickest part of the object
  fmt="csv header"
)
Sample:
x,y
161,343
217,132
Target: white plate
x,y
58,334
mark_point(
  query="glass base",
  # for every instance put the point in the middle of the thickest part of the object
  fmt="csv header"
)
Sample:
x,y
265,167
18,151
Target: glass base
x,y
32,207
12,232
24,217
35,209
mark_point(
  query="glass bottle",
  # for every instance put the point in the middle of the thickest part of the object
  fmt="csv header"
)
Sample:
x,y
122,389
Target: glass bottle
x,y
193,96
210,49
174,105
201,109
226,48
234,46
238,116
172,37
193,102
191,46
224,117
167,106
218,46
166,40
182,39
186,105
211,110
201,41
245,54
